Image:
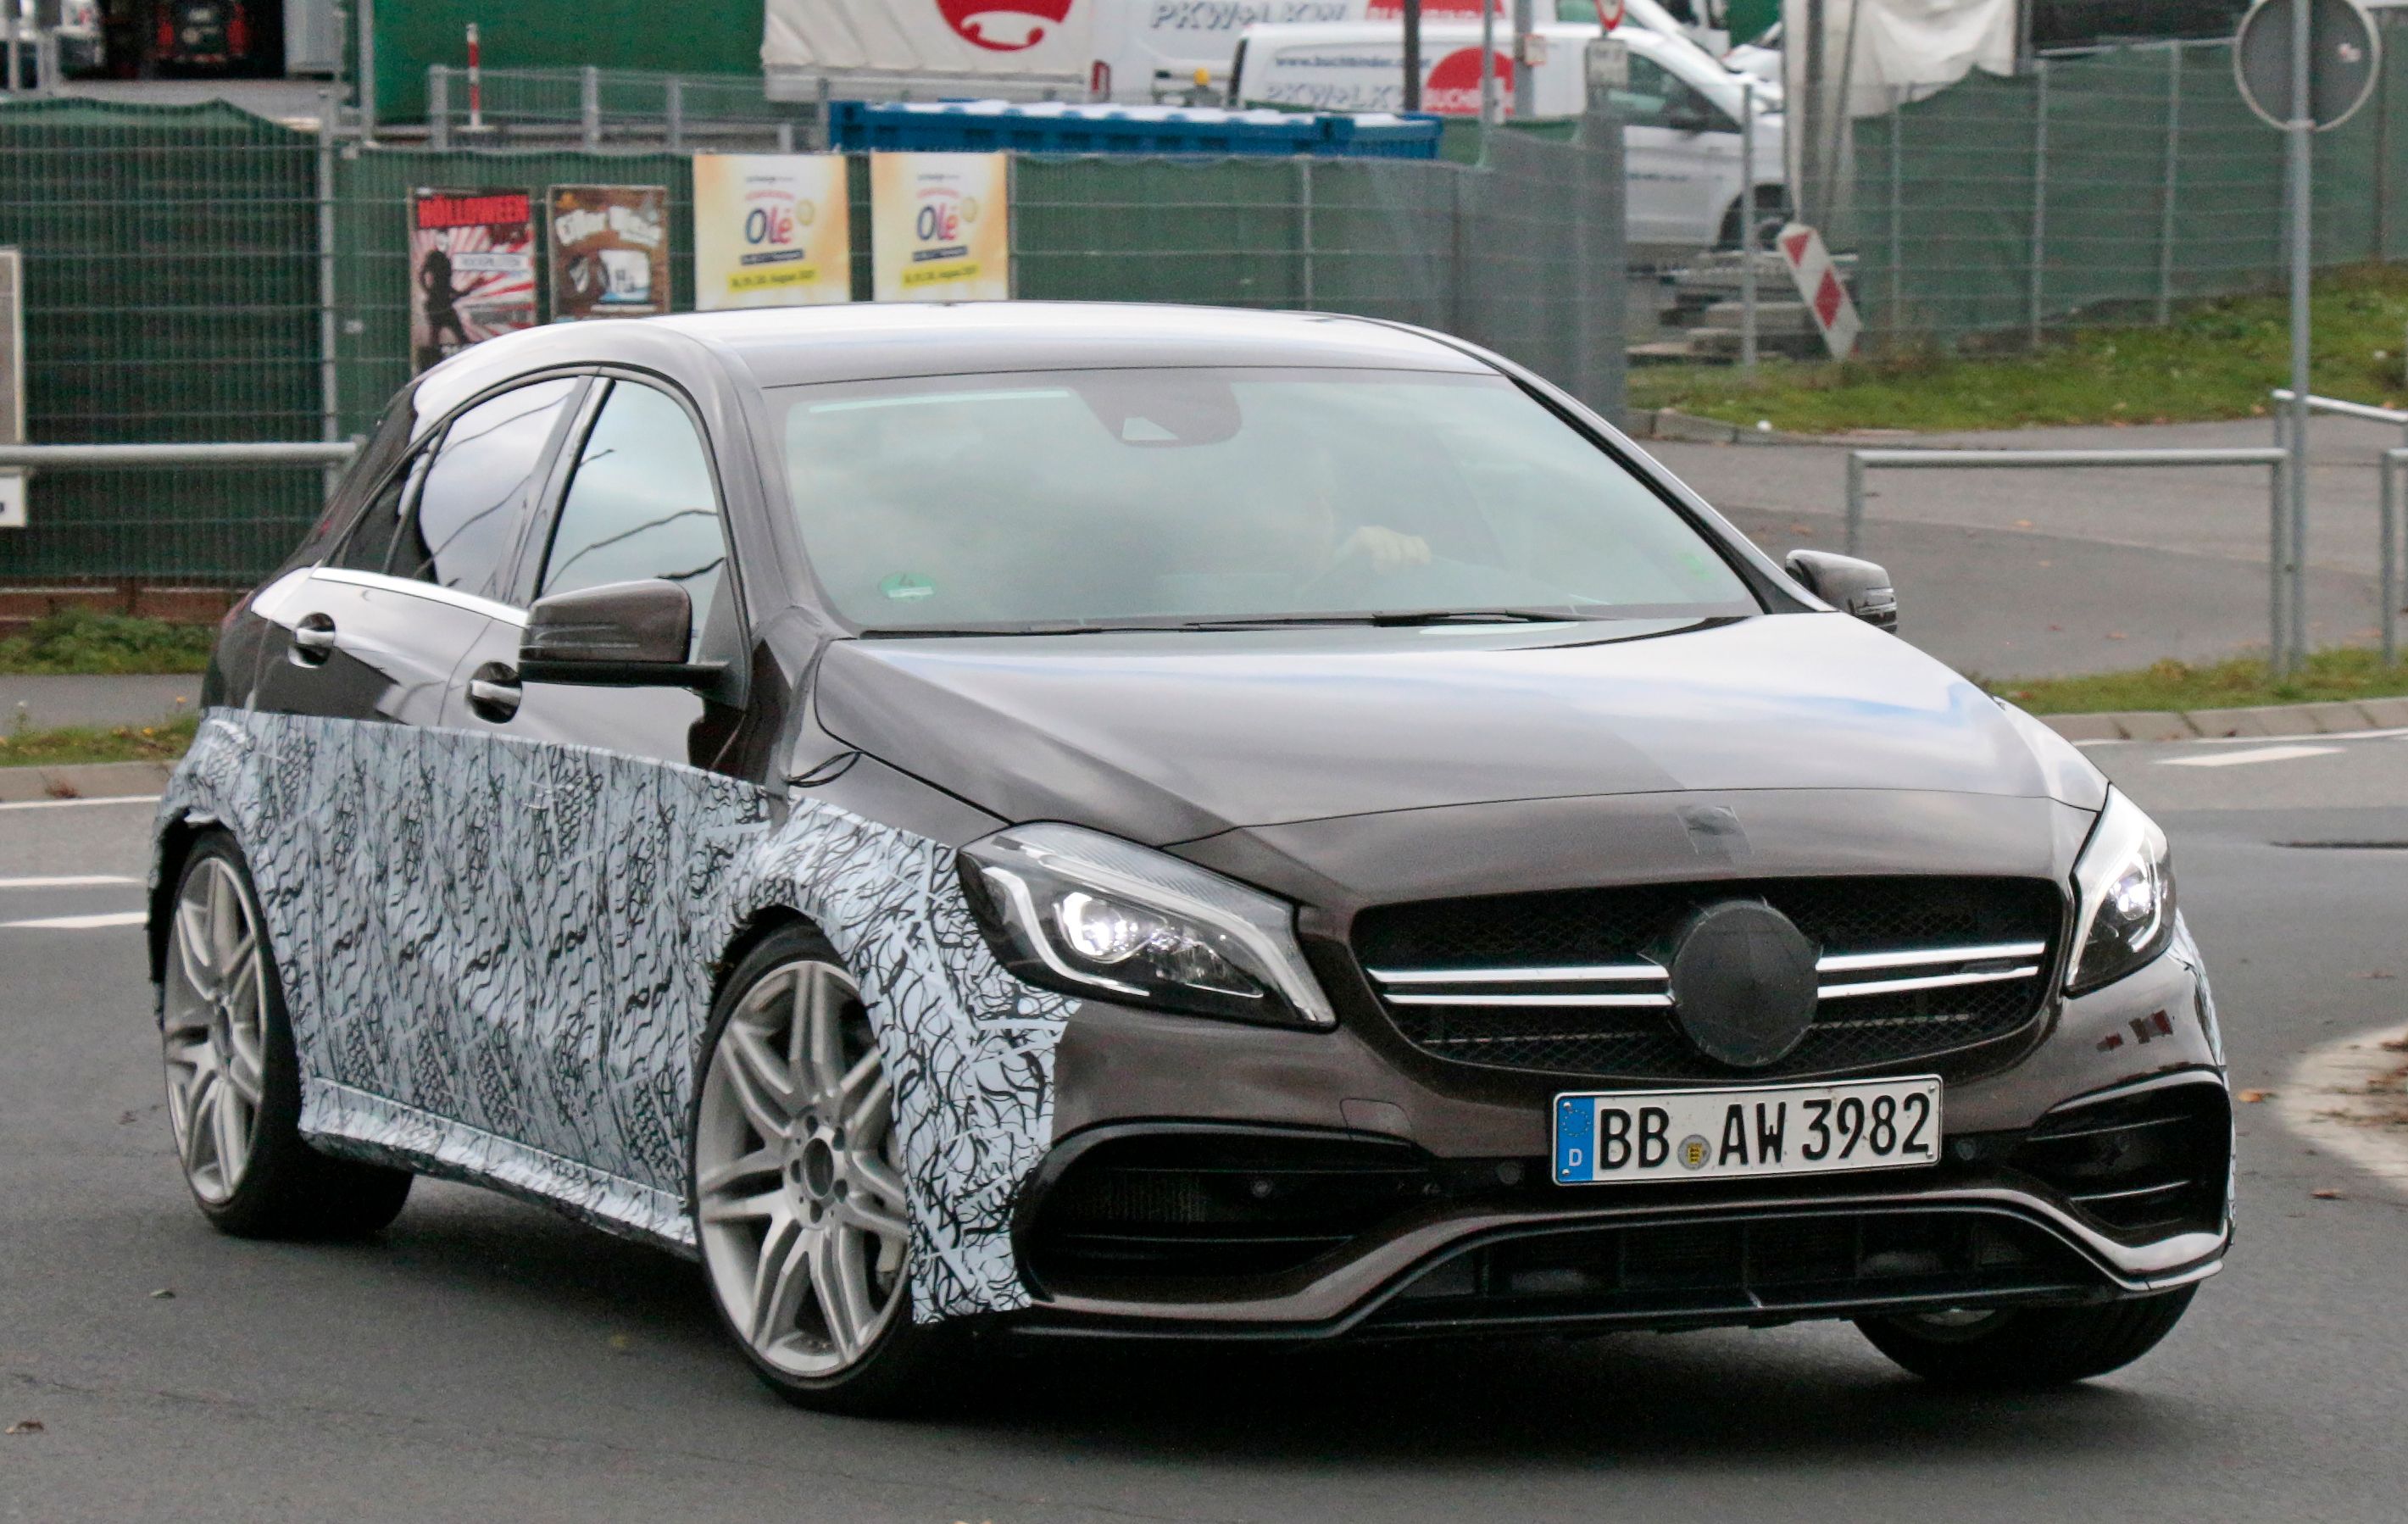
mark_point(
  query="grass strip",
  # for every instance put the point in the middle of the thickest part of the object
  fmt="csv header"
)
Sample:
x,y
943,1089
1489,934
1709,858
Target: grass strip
x,y
2215,360
81,642
2344,673
163,742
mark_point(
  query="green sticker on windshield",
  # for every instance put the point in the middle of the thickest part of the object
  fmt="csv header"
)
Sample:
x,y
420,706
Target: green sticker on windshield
x,y
908,584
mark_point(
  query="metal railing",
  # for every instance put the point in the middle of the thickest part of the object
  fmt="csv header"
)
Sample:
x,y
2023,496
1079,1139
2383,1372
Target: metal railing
x,y
123,456
2339,409
2285,617
592,105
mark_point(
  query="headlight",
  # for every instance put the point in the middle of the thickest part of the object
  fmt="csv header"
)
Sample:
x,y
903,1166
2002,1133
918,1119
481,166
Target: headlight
x,y
2126,881
1086,913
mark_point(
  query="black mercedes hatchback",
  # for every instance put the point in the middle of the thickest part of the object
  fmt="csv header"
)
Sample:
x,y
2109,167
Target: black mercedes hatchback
x,y
1164,822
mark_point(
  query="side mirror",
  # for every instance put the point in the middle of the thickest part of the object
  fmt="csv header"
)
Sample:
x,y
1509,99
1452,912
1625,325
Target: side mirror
x,y
1851,586
621,634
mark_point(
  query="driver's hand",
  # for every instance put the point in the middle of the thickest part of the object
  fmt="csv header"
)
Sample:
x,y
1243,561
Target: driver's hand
x,y
1385,549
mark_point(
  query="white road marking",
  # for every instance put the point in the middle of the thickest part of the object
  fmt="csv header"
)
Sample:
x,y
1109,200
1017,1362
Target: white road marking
x,y
70,881
2235,759
61,804
79,922
2336,1100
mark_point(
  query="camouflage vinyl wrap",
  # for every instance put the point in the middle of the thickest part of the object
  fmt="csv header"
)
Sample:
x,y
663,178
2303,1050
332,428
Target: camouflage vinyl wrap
x,y
498,958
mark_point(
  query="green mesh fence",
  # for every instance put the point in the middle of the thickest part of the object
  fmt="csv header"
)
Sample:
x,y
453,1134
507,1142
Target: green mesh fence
x,y
2102,189
170,258
173,269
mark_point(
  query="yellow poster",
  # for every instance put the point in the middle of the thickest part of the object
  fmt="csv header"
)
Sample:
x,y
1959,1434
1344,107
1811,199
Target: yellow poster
x,y
770,230
940,227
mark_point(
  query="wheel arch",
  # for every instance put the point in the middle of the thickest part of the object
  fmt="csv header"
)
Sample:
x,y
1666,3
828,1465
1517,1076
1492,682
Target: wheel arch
x,y
176,838
755,929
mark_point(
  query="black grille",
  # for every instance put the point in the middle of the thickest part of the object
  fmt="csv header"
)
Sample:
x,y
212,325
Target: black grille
x,y
2141,1166
1212,1203
1752,1270
1620,925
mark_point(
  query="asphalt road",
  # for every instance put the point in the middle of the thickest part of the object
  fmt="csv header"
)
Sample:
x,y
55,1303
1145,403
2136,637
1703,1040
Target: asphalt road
x,y
487,1359
2037,574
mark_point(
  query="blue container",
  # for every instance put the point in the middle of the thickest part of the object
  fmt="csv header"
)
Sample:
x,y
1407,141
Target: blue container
x,y
1055,127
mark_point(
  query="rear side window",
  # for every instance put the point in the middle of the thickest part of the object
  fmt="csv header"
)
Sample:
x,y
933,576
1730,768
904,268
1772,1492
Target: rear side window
x,y
475,494
369,545
641,504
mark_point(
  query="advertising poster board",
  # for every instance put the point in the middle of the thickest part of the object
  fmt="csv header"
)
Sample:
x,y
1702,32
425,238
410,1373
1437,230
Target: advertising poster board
x,y
609,250
770,230
472,269
940,227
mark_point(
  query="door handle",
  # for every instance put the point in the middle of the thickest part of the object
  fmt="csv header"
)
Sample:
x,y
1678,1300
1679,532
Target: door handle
x,y
494,692
313,639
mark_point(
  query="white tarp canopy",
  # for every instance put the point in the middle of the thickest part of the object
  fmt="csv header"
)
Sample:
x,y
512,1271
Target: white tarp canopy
x,y
1877,54
1031,39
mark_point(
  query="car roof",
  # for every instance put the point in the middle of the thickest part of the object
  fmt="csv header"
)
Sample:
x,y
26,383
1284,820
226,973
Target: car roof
x,y
869,341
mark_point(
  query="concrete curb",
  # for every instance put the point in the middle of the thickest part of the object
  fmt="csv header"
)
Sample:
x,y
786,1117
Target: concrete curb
x,y
2268,720
1686,428
2332,1101
88,781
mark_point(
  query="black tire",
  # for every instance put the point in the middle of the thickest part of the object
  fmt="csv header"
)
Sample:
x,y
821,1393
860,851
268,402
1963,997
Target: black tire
x,y
900,1371
286,1190
1769,203
2030,1346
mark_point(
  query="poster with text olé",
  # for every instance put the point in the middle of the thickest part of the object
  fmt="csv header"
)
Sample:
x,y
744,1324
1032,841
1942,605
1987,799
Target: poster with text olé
x,y
940,227
770,230
472,269
609,250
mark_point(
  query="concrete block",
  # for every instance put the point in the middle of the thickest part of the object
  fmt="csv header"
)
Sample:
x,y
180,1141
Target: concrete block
x,y
2152,725
1680,425
2387,714
2084,726
2330,718
2261,720
104,780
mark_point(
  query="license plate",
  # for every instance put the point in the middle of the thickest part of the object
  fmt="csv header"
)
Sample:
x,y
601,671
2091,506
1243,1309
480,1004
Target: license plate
x,y
1720,1133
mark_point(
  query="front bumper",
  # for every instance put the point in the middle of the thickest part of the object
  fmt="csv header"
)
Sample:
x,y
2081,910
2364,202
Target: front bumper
x,y
1461,1229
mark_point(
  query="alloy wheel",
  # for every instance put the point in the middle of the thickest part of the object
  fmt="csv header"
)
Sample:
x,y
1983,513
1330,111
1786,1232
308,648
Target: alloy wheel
x,y
798,1182
213,1029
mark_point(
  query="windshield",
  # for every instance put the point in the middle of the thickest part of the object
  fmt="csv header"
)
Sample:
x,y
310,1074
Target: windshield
x,y
1103,498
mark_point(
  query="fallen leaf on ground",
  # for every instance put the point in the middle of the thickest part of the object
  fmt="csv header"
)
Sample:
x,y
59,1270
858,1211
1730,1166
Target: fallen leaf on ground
x,y
164,1294
2375,973
24,1426
2023,524
2253,1097
2117,635
2327,1195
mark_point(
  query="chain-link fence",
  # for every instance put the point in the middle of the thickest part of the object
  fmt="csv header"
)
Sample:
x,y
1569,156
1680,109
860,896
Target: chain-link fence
x,y
208,276
2105,188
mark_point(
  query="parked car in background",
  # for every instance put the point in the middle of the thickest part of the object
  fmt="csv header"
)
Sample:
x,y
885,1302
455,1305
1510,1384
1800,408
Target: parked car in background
x,y
1759,60
76,23
1681,110
1166,823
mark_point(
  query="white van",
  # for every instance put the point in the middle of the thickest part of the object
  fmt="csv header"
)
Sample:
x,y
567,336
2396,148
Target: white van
x,y
1680,138
1152,49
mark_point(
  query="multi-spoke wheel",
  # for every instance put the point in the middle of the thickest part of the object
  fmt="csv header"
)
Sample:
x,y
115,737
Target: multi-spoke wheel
x,y
213,1026
798,1192
234,1088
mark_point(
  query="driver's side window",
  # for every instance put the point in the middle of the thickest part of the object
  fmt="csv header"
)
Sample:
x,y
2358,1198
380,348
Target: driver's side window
x,y
1656,97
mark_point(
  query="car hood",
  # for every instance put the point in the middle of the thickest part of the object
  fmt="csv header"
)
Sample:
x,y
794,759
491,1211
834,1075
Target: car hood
x,y
1162,736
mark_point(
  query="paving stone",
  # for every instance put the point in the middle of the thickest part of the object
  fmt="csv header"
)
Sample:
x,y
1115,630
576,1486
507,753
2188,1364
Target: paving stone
x,y
2333,717
2385,712
2259,720
2152,725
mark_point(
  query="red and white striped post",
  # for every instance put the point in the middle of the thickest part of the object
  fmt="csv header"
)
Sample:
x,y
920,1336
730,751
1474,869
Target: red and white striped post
x,y
476,83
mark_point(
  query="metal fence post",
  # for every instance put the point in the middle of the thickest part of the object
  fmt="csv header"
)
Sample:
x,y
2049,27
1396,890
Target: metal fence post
x,y
2040,193
2173,162
366,14
438,108
2391,535
1896,214
785,138
1747,222
589,93
1856,535
677,113
2278,586
827,116
1304,223
330,390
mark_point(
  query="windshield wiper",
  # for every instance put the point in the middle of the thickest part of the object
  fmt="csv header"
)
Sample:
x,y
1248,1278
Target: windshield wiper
x,y
1425,616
